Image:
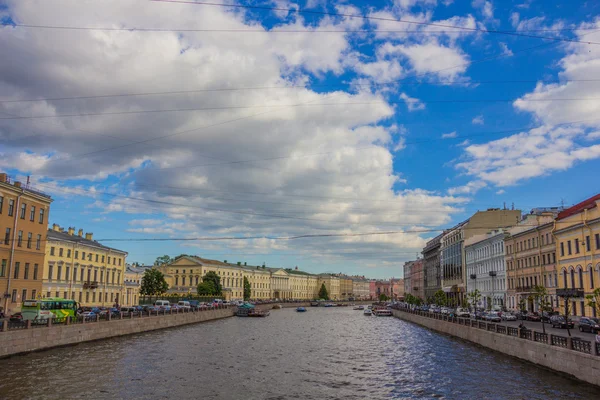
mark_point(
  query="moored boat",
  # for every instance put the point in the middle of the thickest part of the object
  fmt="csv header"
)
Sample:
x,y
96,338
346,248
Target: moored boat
x,y
258,313
314,304
328,305
277,307
359,307
367,312
301,309
382,312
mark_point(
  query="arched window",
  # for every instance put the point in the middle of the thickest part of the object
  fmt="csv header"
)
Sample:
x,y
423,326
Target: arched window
x,y
565,278
591,269
580,272
572,278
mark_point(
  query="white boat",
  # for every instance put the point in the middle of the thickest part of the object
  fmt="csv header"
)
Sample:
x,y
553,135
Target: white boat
x,y
359,307
367,312
382,313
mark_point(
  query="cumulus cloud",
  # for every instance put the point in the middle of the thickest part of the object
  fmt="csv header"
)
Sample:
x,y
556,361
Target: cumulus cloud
x,y
450,135
470,188
284,161
505,50
478,120
485,7
412,103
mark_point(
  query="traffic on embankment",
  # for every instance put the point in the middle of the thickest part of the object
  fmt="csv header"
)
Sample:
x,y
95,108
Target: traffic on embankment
x,y
573,356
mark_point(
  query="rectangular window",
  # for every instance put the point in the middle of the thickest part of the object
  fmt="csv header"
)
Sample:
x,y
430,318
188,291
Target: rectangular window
x,y
60,252
95,274
103,259
57,293
41,220
11,207
76,254
32,214
576,246
101,276
35,271
20,239
1,203
74,274
51,251
29,237
588,247
83,255
23,210
87,297
69,253
7,236
48,294
109,259
24,295
65,295
562,249
13,298
114,261
59,273
89,275
50,268
94,297
81,275
33,294
96,257
119,262
569,251
3,268
597,236
113,278
38,243
16,275
26,271
89,256
80,297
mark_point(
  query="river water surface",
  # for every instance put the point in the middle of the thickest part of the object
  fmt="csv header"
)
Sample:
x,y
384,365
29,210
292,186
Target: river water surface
x,y
325,353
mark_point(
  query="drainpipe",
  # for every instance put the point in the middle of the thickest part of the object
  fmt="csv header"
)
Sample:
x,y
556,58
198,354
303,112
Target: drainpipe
x,y
12,251
590,250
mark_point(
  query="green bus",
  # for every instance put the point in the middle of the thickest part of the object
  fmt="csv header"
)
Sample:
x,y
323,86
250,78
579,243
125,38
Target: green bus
x,y
51,307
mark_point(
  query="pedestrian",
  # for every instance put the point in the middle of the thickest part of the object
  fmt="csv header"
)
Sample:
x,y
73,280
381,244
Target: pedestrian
x,y
598,337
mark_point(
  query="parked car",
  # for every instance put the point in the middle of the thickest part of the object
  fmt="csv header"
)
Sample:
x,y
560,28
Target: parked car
x,y
558,321
161,303
445,310
185,305
462,313
534,317
547,315
493,317
522,315
506,316
587,324
16,317
479,315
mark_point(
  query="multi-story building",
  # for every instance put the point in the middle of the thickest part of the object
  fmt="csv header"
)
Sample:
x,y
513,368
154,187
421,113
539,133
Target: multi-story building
x,y
332,284
79,268
23,223
431,265
486,269
394,288
372,289
577,233
530,259
417,279
304,285
452,250
346,288
408,277
360,288
133,283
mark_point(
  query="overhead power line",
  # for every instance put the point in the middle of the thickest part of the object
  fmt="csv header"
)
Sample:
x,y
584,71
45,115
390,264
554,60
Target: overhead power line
x,y
267,31
375,18
359,103
303,86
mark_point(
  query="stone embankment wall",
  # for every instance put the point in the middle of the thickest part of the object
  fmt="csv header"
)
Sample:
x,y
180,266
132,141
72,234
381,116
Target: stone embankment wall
x,y
585,367
20,341
264,307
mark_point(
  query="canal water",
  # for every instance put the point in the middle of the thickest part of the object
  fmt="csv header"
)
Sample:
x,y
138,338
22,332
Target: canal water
x,y
325,353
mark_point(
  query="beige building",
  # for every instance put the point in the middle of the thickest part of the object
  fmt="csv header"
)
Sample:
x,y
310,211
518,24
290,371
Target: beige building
x,y
79,268
23,224
346,288
530,258
452,250
332,284
133,283
360,288
577,233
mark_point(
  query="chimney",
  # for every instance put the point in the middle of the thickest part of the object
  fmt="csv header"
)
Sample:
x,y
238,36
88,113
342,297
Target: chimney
x,y
71,231
89,236
80,233
3,177
55,227
17,184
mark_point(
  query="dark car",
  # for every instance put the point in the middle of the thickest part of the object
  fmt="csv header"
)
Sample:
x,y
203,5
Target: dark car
x,y
16,317
558,321
534,317
522,315
547,315
589,325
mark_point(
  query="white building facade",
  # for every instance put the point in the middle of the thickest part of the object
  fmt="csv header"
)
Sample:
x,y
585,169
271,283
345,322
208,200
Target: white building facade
x,y
486,268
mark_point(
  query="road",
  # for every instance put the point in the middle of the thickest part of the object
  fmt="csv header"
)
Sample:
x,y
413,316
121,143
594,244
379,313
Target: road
x,y
537,326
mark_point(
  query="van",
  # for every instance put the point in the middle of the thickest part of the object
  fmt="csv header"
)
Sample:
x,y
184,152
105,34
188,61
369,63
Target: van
x,y
184,304
161,303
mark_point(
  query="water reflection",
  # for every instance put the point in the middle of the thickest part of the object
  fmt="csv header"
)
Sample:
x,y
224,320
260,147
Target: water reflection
x,y
333,353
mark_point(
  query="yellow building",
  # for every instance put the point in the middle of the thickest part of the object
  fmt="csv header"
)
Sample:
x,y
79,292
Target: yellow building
x,y
577,233
332,284
23,223
133,283
79,268
304,286
346,288
360,289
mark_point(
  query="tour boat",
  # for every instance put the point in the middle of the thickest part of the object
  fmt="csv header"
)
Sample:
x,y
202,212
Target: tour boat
x,y
301,309
382,312
257,313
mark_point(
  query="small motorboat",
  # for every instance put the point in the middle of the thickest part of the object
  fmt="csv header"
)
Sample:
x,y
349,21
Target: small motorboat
x,y
301,309
314,304
258,314
367,312
328,305
359,308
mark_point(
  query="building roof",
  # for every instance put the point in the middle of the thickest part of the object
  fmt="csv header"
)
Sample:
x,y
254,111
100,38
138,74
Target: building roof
x,y
577,208
66,237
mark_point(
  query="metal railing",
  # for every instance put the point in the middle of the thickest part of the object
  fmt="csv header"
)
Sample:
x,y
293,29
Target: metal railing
x,y
501,329
540,337
583,346
559,341
512,331
525,334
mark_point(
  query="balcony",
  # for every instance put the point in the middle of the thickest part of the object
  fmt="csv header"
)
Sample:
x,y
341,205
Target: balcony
x,y
90,285
524,288
492,273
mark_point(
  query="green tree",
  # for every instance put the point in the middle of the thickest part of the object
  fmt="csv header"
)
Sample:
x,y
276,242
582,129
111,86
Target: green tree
x,y
247,289
540,297
594,300
383,297
323,294
216,282
162,260
522,304
153,283
439,298
206,288
474,297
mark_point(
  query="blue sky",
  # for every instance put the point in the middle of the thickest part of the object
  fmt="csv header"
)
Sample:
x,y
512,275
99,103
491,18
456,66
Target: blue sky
x,y
344,125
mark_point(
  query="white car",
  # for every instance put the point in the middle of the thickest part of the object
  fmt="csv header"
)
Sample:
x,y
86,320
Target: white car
x,y
462,313
445,310
508,317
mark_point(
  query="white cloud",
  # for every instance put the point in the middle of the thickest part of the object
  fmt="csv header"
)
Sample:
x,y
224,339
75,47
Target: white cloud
x,y
449,135
501,191
464,143
470,188
505,50
412,103
485,7
382,71
407,4
478,120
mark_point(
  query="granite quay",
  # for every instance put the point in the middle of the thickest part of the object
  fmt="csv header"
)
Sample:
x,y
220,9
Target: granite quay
x,y
570,355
